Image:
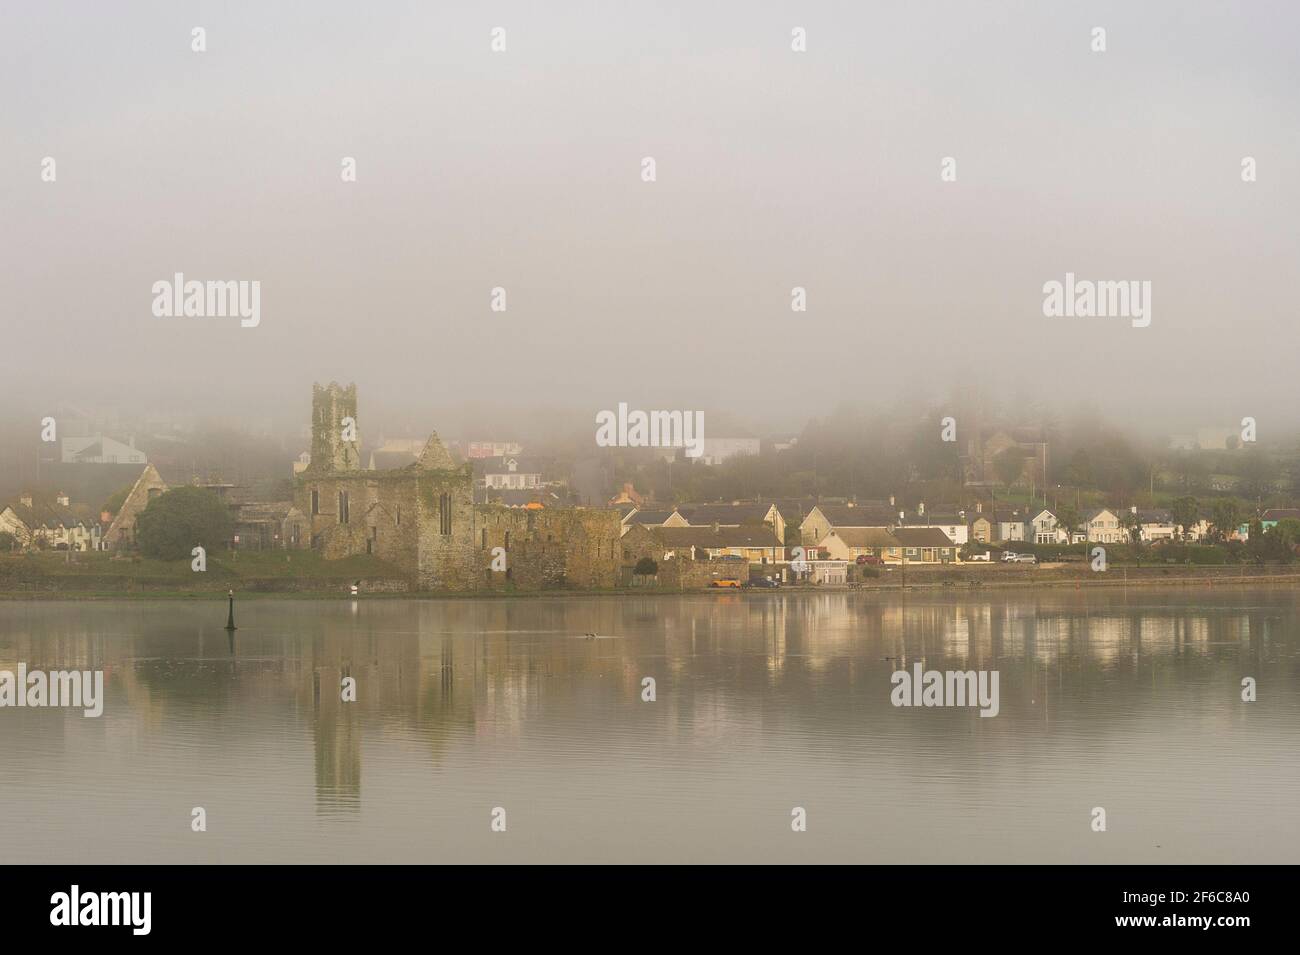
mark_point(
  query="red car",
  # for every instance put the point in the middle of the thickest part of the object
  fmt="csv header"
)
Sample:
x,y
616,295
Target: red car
x,y
869,559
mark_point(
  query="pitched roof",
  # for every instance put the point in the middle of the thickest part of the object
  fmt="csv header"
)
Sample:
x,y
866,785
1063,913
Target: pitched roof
x,y
435,456
523,465
1281,514
866,537
744,536
859,515
732,514
921,520
922,537
651,518
49,515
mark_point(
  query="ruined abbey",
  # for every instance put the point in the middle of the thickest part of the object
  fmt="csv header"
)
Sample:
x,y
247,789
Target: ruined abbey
x,y
422,518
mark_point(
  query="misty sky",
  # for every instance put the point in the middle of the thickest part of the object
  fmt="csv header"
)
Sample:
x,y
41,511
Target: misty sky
x,y
775,169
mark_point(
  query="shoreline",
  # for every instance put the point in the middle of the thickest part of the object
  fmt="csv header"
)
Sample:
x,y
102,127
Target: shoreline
x,y
1168,577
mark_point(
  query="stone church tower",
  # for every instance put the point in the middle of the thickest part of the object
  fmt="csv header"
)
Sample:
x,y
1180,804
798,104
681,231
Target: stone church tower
x,y
335,442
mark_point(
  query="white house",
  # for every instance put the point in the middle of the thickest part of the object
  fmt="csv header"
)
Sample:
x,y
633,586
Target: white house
x,y
717,450
515,473
953,525
1156,524
1045,529
98,449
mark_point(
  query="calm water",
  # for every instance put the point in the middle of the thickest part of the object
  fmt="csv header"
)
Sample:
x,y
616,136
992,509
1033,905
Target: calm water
x,y
765,702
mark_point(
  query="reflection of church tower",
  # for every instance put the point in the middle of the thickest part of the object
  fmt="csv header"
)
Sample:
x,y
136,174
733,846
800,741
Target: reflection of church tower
x,y
336,732
335,445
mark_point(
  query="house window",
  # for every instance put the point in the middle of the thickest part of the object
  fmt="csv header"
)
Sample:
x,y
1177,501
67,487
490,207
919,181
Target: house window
x,y
444,514
343,507
315,502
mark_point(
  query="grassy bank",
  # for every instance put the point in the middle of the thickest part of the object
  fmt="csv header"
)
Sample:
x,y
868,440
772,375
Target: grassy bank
x,y
307,575
97,574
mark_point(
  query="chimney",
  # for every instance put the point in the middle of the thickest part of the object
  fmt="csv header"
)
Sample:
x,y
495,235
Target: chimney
x,y
62,499
25,498
962,515
891,500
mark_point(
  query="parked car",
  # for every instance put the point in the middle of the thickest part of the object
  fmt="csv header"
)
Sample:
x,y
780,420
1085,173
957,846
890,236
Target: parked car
x,y
1009,556
868,559
724,583
731,557
984,556
764,582
1026,559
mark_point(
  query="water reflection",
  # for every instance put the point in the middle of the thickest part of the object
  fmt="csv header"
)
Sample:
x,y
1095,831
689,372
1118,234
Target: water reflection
x,y
761,699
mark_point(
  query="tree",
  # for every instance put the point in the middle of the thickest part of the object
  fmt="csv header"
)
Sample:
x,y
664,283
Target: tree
x,y
1068,519
177,521
7,542
1009,464
1132,525
1225,515
1185,512
646,567
117,499
1079,471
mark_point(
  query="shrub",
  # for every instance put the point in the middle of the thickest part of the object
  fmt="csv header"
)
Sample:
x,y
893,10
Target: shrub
x,y
177,521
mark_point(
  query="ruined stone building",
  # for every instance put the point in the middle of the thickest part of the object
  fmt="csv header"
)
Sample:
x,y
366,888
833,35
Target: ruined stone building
x,y
422,518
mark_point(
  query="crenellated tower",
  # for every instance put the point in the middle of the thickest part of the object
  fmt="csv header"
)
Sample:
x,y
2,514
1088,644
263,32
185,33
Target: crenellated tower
x,y
335,442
